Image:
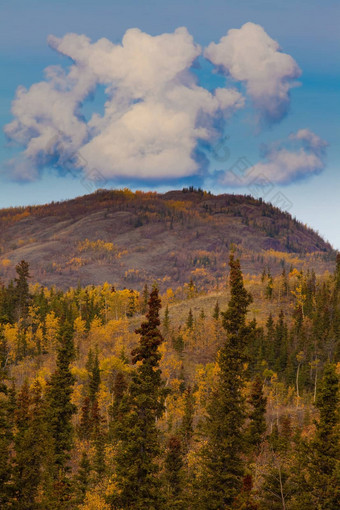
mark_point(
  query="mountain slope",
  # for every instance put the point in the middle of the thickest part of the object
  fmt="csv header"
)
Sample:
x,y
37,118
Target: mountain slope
x,y
128,238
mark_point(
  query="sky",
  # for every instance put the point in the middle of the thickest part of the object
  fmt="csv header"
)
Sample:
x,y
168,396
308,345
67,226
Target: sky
x,y
234,96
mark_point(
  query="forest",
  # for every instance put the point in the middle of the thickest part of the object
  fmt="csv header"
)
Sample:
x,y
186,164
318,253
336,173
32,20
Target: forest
x,y
214,398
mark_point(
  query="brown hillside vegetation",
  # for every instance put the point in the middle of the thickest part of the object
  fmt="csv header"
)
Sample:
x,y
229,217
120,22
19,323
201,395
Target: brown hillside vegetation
x,y
131,238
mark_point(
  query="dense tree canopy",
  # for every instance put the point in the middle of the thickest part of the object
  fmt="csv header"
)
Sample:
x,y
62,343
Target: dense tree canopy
x,y
227,399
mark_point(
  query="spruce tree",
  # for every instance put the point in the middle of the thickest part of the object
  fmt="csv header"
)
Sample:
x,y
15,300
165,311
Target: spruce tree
x,y
59,417
186,428
6,438
145,299
83,478
324,465
269,287
257,425
216,314
85,426
115,409
136,463
166,320
174,475
99,440
222,455
190,320
280,344
21,289
30,444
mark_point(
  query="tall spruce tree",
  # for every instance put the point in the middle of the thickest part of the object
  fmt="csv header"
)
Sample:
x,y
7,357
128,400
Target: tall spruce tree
x,y
137,436
324,465
222,461
30,444
59,414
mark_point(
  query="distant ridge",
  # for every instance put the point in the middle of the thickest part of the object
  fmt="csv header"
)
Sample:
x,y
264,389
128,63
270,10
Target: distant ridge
x,y
129,238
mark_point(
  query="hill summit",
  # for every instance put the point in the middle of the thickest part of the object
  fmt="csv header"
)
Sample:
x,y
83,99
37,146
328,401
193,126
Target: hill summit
x,y
129,238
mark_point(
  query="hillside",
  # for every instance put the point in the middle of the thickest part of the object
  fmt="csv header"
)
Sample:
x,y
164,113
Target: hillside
x,y
80,367
130,238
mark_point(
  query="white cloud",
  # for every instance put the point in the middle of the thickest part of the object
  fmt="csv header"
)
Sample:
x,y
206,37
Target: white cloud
x,y
299,157
154,115
48,113
141,64
310,141
155,112
249,55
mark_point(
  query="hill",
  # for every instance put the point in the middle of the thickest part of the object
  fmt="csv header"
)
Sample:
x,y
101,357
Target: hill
x,y
131,238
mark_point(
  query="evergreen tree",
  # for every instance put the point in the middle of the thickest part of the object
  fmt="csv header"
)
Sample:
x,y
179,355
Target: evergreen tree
x,y
257,425
285,283
324,465
21,289
216,314
31,446
270,341
223,464
166,320
83,478
178,343
138,451
187,429
145,299
85,426
269,287
174,476
6,437
59,417
119,389
7,303
131,305
190,320
99,440
280,345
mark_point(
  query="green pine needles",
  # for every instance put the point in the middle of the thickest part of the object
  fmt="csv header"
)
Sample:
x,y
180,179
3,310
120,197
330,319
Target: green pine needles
x,y
222,459
137,435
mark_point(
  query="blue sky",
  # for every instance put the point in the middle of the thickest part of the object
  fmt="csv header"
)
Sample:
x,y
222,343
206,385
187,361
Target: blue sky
x,y
306,30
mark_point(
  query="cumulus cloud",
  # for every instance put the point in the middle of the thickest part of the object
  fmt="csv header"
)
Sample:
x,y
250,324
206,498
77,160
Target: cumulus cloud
x,y
48,114
300,156
249,55
155,112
